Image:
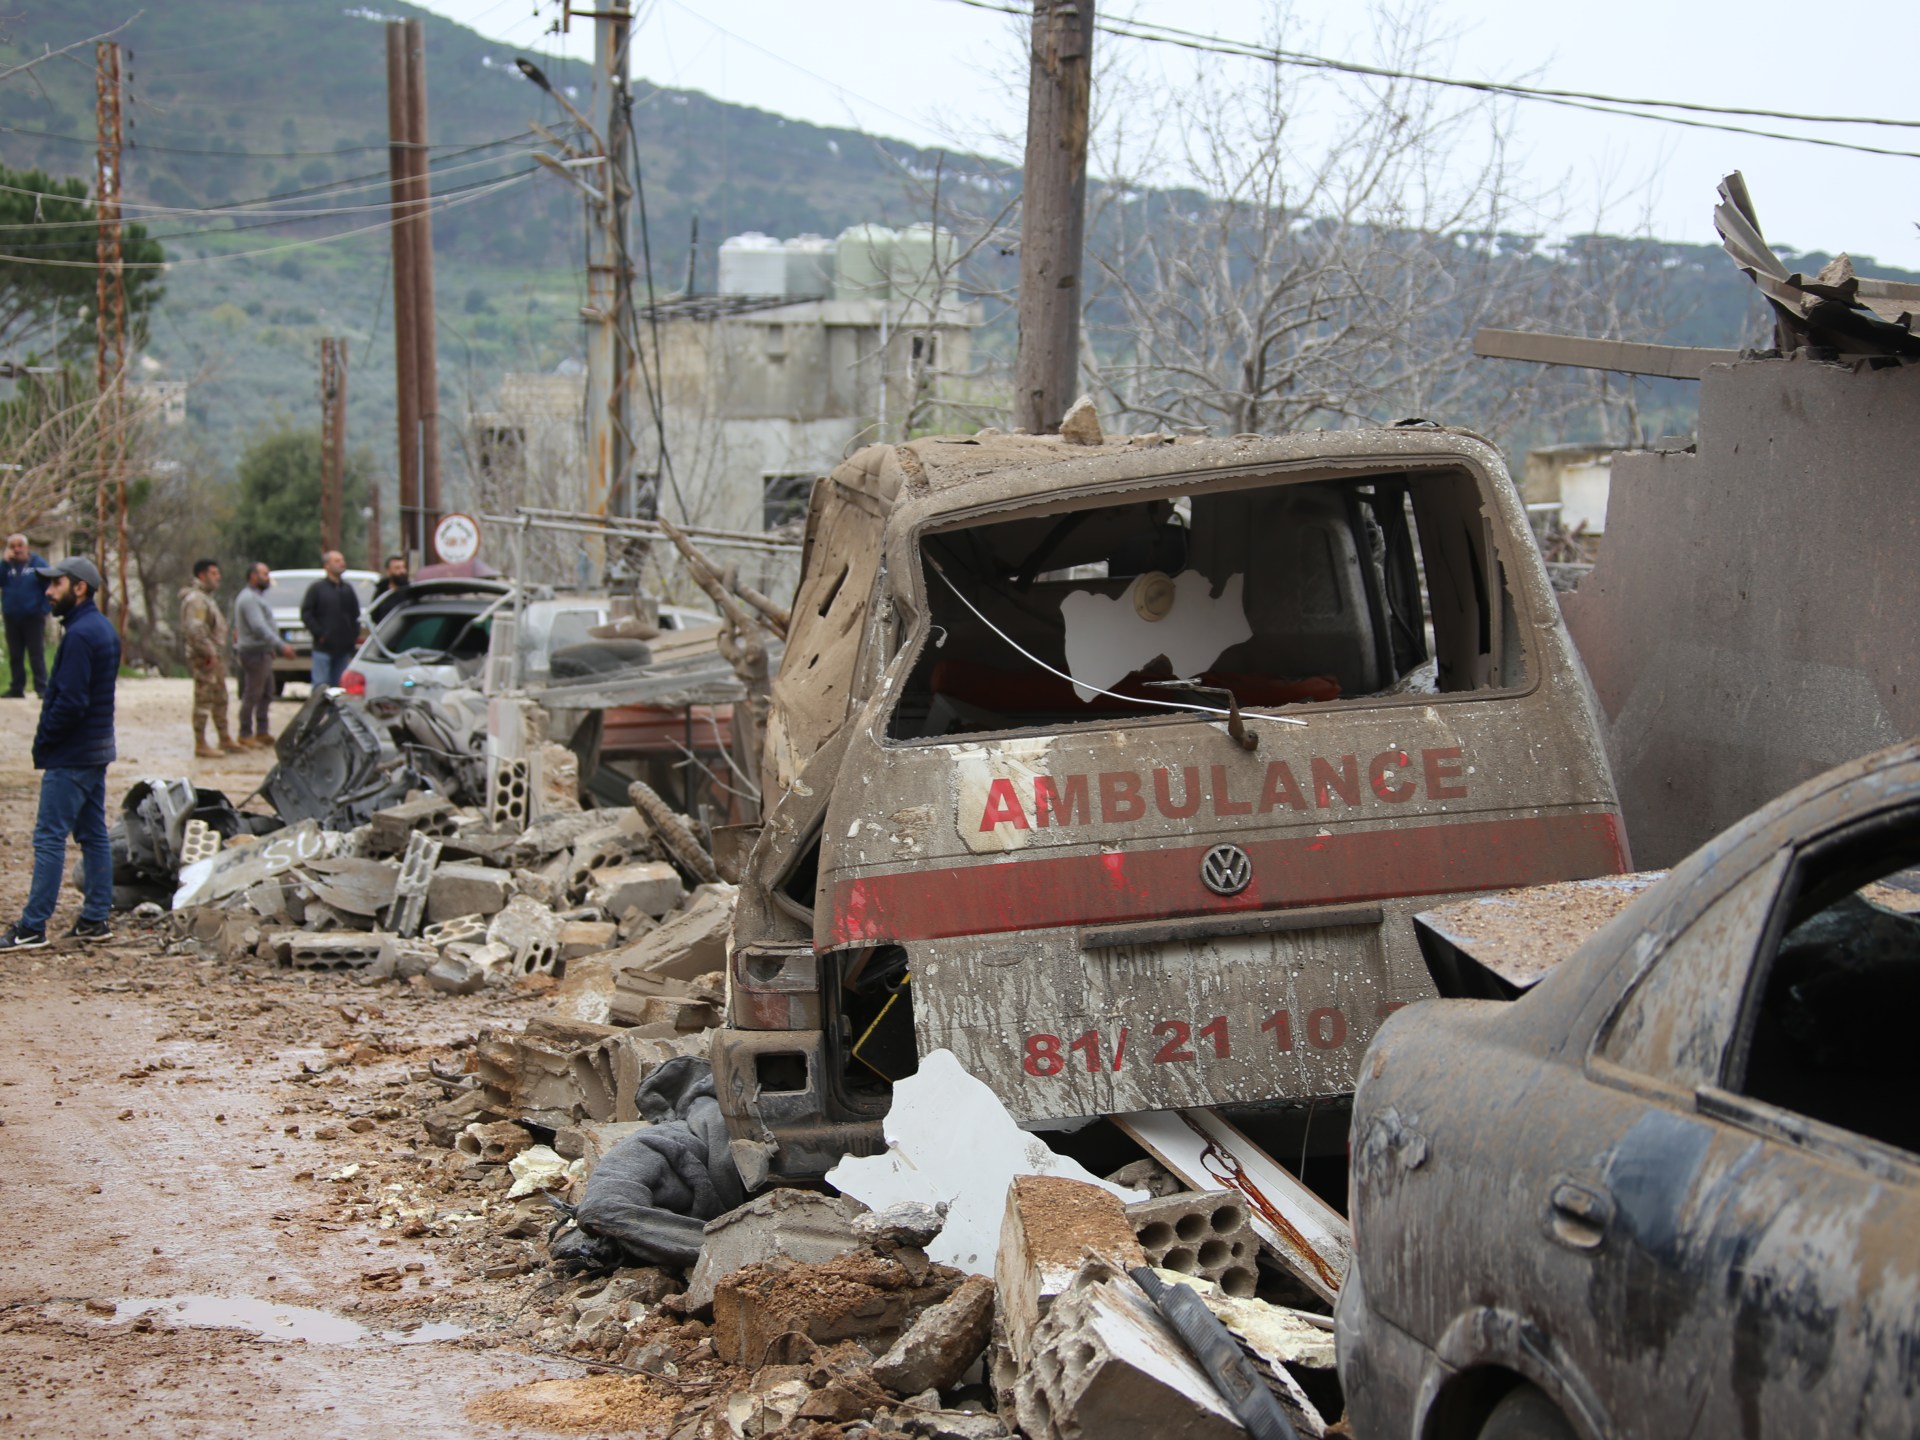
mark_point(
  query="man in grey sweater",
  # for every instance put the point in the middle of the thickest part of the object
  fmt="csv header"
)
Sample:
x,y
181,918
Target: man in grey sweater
x,y
255,640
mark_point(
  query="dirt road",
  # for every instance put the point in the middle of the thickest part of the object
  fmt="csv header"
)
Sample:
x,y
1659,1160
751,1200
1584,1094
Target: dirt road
x,y
224,1219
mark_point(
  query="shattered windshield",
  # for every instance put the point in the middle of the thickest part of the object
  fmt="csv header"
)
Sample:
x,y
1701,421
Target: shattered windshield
x,y
1284,594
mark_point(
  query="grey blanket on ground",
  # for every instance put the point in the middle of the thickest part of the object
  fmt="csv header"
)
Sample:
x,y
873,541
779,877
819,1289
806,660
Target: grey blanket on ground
x,y
648,1201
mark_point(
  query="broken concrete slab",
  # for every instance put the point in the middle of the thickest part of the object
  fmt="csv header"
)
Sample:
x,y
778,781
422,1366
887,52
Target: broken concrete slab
x,y
608,1073
1107,1366
942,1344
208,882
590,1140
354,887
650,886
858,1296
689,943
795,1224
585,937
907,1223
950,1139
461,888
456,975
530,1075
1052,1226
640,999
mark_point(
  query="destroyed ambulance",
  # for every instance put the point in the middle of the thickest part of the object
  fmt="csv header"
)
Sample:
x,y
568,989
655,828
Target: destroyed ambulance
x,y
1119,770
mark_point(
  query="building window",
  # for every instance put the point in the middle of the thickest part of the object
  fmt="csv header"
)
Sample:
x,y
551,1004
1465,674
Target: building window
x,y
784,498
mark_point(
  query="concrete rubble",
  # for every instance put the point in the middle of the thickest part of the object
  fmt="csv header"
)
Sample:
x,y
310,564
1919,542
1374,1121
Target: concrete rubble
x,y
968,1283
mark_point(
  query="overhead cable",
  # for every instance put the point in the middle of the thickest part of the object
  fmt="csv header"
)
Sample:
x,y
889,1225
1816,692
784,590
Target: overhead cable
x,y
1572,99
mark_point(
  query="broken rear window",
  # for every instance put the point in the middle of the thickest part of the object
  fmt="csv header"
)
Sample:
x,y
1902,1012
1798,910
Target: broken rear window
x,y
1283,593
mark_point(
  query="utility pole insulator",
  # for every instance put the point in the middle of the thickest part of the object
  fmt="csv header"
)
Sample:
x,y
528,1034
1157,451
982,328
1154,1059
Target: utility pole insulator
x,y
1053,215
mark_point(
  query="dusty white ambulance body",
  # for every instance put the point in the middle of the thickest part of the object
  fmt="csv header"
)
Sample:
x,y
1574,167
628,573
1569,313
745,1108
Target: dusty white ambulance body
x,y
1119,770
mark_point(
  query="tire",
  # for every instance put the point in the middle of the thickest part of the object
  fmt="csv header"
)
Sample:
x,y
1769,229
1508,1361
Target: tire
x,y
680,843
1525,1413
597,657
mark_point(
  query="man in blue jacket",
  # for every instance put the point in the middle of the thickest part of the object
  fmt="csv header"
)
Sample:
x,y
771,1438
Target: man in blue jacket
x,y
73,747
23,606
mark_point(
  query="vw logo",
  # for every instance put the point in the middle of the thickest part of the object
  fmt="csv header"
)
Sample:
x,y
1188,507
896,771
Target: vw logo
x,y
1226,870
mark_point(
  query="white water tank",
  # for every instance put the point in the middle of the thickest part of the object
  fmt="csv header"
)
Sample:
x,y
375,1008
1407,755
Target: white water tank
x,y
753,264
809,267
921,256
863,262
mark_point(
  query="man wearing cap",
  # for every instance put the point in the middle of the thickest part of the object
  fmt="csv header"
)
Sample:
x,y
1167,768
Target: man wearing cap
x,y
24,605
204,630
72,749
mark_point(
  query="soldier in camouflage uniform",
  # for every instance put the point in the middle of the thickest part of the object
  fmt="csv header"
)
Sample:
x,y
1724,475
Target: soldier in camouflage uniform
x,y
203,630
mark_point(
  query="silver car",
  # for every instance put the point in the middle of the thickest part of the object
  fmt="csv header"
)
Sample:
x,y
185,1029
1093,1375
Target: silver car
x,y
289,588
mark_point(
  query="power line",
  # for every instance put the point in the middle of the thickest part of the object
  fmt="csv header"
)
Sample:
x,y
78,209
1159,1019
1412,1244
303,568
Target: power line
x,y
1572,99
276,217
491,187
228,154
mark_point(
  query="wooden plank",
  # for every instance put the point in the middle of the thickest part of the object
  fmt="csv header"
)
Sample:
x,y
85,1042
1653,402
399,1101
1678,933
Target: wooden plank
x,y
1305,1233
1670,362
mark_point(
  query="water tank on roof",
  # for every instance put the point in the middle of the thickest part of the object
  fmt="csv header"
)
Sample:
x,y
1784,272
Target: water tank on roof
x,y
809,267
752,264
921,256
863,262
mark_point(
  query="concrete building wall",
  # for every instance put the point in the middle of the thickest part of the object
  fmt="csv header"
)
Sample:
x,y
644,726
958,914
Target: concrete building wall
x,y
1751,620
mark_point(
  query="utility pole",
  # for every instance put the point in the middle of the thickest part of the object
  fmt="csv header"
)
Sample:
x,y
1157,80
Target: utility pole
x,y
1053,214
406,368
109,317
333,437
425,346
609,308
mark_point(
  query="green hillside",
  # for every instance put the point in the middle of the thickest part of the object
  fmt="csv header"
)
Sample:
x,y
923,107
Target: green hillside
x,y
230,101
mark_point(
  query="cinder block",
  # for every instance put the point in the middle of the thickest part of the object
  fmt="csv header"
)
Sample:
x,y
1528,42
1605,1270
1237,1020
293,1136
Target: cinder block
x,y
1209,1235
415,878
1105,1365
531,932
463,889
389,830
335,950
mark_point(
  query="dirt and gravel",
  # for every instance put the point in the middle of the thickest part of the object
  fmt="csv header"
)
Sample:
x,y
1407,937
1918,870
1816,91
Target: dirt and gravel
x,y
226,1218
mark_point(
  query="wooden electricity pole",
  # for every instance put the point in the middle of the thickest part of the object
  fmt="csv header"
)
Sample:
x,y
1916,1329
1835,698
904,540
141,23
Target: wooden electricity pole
x,y
333,437
110,319
425,347
1053,212
406,368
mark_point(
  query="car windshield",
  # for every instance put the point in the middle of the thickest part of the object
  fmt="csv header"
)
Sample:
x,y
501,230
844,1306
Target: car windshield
x,y
1284,593
436,631
287,591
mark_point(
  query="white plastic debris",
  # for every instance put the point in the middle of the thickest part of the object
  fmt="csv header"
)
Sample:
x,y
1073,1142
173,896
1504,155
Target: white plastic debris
x,y
950,1139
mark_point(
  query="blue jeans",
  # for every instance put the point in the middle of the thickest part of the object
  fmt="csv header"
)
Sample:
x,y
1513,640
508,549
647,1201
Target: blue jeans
x,y
72,802
327,669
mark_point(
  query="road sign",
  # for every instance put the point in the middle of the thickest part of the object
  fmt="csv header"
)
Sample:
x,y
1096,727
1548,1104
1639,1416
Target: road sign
x,y
456,539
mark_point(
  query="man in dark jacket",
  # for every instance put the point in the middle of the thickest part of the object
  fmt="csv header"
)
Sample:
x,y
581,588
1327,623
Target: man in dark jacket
x,y
72,748
23,605
331,613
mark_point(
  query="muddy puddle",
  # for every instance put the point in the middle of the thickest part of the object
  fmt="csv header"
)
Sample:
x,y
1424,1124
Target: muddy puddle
x,y
268,1321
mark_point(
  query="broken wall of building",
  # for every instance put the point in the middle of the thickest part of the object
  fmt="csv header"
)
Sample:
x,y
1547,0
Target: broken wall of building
x,y
1751,619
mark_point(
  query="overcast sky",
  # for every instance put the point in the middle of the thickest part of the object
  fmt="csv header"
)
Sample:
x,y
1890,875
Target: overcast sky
x,y
937,72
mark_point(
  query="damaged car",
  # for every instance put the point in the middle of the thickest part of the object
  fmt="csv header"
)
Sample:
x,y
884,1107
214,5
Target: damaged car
x,y
1674,1186
1119,771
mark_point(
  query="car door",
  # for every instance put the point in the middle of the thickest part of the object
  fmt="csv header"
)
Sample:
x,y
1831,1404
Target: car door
x,y
1760,1221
